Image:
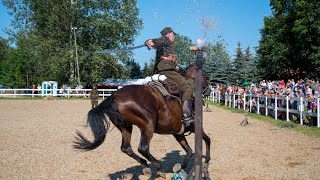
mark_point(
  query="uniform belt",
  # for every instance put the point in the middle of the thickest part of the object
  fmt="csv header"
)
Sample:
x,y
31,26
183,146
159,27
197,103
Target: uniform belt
x,y
166,70
170,57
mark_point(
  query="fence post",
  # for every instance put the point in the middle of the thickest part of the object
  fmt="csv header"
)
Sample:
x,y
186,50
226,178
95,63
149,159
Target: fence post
x,y
318,112
225,98
287,108
301,110
219,94
266,106
250,103
216,96
258,105
212,96
276,108
244,101
239,100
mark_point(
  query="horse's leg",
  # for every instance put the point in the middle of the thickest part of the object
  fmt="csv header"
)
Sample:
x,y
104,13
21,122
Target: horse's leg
x,y
207,140
183,142
126,146
144,149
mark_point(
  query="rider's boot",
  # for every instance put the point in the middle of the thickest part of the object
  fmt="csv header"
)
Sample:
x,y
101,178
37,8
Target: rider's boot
x,y
187,115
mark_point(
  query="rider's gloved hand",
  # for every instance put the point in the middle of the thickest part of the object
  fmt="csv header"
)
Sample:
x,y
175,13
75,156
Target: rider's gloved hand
x,y
149,43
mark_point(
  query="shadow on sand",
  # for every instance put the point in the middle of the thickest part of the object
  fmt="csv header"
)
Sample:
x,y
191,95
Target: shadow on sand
x,y
167,163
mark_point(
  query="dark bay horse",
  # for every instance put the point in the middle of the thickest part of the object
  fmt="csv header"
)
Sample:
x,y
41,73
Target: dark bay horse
x,y
146,108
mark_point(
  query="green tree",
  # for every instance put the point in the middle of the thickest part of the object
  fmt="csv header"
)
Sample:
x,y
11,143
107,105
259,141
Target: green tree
x,y
147,69
182,44
240,66
133,69
50,29
4,51
217,63
252,69
290,42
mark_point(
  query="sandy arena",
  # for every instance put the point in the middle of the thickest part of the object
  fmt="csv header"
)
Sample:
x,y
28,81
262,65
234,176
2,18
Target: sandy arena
x,y
36,143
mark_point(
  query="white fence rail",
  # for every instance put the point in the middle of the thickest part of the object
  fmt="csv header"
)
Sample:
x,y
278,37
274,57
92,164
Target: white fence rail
x,y
66,93
273,106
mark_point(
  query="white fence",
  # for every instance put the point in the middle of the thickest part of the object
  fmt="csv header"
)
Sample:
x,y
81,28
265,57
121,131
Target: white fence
x,y
63,93
273,106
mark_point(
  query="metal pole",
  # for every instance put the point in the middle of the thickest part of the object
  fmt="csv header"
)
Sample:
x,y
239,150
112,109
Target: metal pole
x,y
77,59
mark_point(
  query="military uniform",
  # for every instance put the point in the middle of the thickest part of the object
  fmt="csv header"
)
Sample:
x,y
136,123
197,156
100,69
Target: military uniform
x,y
165,48
94,95
165,64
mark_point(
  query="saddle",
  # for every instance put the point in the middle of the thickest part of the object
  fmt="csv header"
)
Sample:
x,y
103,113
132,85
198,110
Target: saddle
x,y
164,86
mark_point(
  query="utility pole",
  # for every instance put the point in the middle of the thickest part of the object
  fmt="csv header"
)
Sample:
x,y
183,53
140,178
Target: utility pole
x,y
77,59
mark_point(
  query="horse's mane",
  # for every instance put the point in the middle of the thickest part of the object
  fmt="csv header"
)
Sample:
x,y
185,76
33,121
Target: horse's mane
x,y
183,71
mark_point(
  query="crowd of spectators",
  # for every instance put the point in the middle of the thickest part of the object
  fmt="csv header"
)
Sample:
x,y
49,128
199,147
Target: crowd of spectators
x,y
306,88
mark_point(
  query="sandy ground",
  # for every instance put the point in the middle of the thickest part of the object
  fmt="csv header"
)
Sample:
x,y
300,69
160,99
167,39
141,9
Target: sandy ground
x,y
36,143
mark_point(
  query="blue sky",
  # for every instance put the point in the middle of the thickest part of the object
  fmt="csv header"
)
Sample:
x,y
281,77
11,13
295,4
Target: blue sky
x,y
232,20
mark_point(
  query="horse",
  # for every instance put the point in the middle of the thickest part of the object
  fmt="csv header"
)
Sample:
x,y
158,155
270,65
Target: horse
x,y
146,108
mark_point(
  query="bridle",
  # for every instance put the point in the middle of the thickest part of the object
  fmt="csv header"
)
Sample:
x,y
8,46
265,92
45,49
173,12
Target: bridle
x,y
205,84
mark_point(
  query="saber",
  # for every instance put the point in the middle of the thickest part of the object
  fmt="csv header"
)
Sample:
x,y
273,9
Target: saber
x,y
109,51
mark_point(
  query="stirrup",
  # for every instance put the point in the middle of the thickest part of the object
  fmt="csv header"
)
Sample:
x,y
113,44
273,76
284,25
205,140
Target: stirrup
x,y
187,121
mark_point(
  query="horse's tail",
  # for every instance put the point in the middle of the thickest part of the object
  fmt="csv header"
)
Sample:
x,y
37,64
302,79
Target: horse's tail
x,y
99,124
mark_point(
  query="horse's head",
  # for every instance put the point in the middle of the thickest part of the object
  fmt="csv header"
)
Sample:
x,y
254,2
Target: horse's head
x,y
191,74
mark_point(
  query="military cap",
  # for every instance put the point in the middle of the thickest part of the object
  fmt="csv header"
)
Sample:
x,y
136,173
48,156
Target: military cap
x,y
166,31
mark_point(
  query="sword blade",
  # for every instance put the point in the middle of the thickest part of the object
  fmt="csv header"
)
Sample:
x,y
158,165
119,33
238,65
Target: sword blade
x,y
109,51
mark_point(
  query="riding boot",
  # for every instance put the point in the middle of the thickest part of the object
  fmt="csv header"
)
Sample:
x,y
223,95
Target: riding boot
x,y
187,115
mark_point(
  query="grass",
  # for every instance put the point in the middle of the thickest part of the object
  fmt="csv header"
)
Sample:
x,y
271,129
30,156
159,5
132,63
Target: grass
x,y
310,131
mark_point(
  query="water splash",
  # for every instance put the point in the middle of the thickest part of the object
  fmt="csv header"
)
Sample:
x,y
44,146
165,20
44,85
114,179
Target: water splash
x,y
207,24
200,43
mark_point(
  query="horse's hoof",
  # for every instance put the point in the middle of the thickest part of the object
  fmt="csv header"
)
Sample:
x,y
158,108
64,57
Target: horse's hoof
x,y
143,177
147,172
162,174
205,166
127,176
176,168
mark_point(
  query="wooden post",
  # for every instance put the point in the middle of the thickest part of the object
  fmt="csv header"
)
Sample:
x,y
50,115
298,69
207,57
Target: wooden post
x,y
197,167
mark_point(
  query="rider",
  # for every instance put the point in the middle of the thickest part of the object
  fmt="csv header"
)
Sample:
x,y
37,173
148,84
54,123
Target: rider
x,y
165,64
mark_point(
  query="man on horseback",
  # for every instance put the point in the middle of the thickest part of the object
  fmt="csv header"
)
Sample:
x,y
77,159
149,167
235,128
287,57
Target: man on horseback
x,y
165,64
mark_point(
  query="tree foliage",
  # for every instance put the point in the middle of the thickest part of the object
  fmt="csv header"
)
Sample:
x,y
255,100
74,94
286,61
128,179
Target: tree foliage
x,y
217,63
45,33
182,44
290,42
